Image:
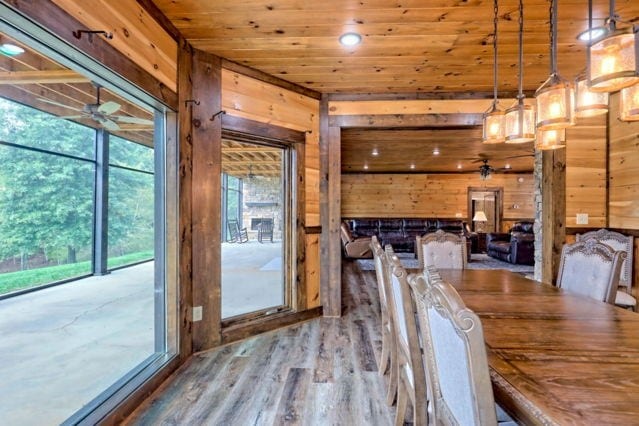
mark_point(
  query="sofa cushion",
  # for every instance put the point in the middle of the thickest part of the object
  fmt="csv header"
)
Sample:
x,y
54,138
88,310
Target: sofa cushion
x,y
390,225
454,226
364,227
415,225
500,246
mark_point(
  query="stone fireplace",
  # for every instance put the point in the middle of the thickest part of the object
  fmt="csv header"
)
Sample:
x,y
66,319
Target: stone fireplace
x,y
262,203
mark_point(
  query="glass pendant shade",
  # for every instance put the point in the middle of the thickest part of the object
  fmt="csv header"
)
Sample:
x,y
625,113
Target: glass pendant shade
x,y
555,104
550,139
519,123
494,126
612,61
630,103
587,102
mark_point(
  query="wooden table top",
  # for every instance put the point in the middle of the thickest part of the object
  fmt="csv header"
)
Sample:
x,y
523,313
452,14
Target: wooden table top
x,y
555,357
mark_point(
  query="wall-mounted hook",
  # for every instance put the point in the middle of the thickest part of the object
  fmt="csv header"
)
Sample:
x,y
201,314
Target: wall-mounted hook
x,y
190,101
78,34
216,114
308,132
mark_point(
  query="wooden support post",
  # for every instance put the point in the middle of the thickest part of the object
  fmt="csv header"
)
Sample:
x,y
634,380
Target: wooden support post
x,y
553,215
205,198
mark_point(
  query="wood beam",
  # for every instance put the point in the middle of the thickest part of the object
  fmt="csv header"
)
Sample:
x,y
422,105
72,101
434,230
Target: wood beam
x,y
41,77
553,216
205,199
332,293
408,120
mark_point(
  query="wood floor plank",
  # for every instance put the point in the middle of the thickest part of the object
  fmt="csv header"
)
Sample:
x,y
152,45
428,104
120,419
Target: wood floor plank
x,y
320,372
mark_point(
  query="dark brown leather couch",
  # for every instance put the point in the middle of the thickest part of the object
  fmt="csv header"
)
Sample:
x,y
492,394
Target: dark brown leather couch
x,y
401,233
516,246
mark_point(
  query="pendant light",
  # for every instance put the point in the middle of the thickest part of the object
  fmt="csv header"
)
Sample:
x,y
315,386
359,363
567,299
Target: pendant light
x,y
520,118
612,60
556,97
550,139
587,102
494,117
630,103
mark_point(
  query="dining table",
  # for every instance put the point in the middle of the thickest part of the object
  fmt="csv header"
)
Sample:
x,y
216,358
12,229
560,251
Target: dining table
x,y
554,357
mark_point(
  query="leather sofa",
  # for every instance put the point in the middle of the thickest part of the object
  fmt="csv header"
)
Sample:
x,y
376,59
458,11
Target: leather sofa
x,y
516,246
400,233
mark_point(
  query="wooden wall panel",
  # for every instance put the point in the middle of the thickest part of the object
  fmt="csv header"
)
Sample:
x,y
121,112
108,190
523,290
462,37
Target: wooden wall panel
x,y
623,177
135,34
312,271
430,195
586,172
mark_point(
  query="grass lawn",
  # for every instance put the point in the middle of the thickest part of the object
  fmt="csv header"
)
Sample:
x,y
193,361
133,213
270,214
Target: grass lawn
x,y
14,281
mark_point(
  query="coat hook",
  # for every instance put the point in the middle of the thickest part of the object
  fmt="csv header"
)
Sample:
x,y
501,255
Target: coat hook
x,y
78,34
308,132
216,114
190,101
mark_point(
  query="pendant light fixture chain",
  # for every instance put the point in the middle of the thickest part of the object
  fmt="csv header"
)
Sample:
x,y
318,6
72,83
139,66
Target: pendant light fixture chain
x,y
553,37
520,96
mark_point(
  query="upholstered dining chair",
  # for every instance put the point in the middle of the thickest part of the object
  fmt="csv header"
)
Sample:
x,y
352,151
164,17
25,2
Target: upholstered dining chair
x,y
411,379
590,268
455,359
387,360
441,250
623,243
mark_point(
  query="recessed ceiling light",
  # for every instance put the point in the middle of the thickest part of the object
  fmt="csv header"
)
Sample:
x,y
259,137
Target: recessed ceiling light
x,y
592,34
350,39
365,166
459,166
375,152
9,49
412,167
436,151
507,166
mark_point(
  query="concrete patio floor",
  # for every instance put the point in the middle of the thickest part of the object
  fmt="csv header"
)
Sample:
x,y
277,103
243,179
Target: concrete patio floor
x,y
62,346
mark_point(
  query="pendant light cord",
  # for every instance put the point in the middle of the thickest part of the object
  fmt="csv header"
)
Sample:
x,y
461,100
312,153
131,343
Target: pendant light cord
x,y
553,37
496,10
520,96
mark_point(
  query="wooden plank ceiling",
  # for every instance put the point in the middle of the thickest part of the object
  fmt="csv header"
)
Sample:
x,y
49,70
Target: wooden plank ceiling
x,y
408,45
246,161
34,80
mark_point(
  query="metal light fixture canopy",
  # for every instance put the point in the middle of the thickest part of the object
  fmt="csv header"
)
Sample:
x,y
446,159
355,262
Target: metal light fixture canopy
x,y
493,122
519,121
613,61
556,97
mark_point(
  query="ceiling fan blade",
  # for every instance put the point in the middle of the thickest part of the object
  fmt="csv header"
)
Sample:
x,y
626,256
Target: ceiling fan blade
x,y
109,107
108,124
71,117
517,156
48,101
131,120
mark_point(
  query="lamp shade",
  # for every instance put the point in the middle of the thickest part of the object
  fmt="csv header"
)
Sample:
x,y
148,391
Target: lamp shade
x,y
520,123
480,216
555,104
494,126
587,102
550,139
612,61
630,103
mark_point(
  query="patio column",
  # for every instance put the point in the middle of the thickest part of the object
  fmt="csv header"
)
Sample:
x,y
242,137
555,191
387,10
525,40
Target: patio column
x,y
101,222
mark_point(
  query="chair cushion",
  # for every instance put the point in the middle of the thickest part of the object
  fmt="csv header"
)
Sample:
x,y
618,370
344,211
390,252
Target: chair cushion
x,y
500,246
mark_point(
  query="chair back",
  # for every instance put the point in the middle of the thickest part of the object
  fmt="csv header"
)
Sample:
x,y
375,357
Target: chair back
x,y
618,242
441,250
381,272
454,354
403,311
590,268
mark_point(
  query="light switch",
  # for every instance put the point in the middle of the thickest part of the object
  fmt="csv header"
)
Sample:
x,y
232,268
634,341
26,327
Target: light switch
x,y
582,218
197,313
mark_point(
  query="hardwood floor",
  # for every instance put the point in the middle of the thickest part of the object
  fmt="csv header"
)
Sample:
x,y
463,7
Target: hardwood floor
x,y
321,372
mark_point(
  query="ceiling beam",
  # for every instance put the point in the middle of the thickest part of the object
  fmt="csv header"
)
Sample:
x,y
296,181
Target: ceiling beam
x,y
41,77
406,120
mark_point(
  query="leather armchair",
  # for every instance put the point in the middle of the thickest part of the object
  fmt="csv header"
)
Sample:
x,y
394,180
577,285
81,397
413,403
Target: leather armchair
x,y
516,246
357,248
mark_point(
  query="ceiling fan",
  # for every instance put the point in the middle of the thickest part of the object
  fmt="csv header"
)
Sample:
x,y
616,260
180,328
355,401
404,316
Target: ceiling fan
x,y
101,113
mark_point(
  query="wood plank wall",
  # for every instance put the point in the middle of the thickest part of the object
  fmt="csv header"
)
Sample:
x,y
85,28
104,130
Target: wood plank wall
x,y
623,206
586,172
246,97
431,195
135,34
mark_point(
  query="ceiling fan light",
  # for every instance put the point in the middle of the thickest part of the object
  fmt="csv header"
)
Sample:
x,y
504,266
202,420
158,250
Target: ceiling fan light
x,y
612,60
630,103
550,139
587,102
493,125
555,104
9,49
519,123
